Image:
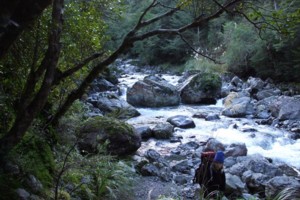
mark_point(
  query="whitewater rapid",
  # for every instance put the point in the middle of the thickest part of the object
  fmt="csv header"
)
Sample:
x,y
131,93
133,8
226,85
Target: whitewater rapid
x,y
266,140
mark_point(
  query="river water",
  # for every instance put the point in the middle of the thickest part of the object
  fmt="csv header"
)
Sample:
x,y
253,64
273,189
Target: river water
x,y
262,139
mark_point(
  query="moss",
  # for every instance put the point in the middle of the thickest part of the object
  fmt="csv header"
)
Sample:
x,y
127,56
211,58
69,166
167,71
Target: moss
x,y
107,124
207,82
36,158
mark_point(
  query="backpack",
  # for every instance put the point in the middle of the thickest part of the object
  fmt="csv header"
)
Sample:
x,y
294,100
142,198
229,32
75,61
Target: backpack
x,y
204,167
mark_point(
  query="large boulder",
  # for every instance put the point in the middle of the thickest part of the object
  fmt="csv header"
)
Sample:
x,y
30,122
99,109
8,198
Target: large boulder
x,y
113,105
281,107
144,131
236,149
120,136
254,170
237,105
163,131
279,183
255,84
203,88
101,85
153,91
267,93
290,109
234,184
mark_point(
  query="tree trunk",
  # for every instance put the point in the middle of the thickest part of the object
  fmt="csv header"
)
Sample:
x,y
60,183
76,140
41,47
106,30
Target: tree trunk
x,y
15,16
25,117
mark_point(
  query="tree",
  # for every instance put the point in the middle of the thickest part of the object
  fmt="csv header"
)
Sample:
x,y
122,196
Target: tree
x,y
15,17
43,79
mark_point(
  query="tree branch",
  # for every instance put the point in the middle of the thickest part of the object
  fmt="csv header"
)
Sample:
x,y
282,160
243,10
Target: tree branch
x,y
15,16
25,117
62,75
153,4
155,19
193,49
128,41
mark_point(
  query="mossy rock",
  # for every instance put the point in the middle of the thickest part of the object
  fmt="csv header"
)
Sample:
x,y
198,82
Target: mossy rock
x,y
202,88
206,82
120,136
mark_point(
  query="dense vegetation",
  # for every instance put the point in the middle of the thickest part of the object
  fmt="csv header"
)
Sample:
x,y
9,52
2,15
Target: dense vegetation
x,y
49,57
264,44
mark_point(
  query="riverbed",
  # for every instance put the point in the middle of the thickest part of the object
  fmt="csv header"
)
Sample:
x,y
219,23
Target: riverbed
x,y
266,140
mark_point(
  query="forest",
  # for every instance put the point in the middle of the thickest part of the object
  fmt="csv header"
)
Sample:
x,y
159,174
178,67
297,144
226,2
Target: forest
x,y
52,51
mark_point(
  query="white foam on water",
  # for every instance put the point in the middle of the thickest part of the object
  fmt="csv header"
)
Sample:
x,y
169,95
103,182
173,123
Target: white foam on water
x,y
265,140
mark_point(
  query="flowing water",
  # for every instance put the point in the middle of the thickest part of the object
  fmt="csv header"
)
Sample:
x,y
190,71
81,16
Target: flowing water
x,y
262,139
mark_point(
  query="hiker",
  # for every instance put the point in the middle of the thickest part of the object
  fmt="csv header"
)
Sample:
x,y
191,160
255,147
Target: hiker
x,y
210,174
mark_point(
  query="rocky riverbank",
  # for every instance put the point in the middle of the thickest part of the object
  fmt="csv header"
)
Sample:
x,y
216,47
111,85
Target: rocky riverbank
x,y
249,176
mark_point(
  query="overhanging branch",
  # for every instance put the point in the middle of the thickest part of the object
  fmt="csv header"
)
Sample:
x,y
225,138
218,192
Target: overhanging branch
x,y
193,49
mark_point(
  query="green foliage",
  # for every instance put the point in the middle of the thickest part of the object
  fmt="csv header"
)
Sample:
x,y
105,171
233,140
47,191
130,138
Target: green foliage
x,y
63,195
282,16
7,115
107,124
85,28
97,177
158,49
163,197
207,82
70,122
204,65
242,42
35,157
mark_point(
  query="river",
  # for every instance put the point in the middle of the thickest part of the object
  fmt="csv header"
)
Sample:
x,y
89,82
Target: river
x,y
266,140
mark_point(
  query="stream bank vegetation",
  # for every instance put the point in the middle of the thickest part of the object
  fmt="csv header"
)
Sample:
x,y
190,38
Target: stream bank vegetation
x,y
48,59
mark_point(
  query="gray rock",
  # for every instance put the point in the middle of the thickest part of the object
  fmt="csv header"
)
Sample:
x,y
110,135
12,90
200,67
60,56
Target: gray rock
x,y
123,139
215,145
264,167
234,183
201,88
237,169
211,117
149,170
153,91
279,183
255,83
144,131
267,93
237,105
152,155
183,167
119,108
237,82
165,174
181,179
101,85
181,121
290,109
163,131
34,184
255,181
237,149
22,194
